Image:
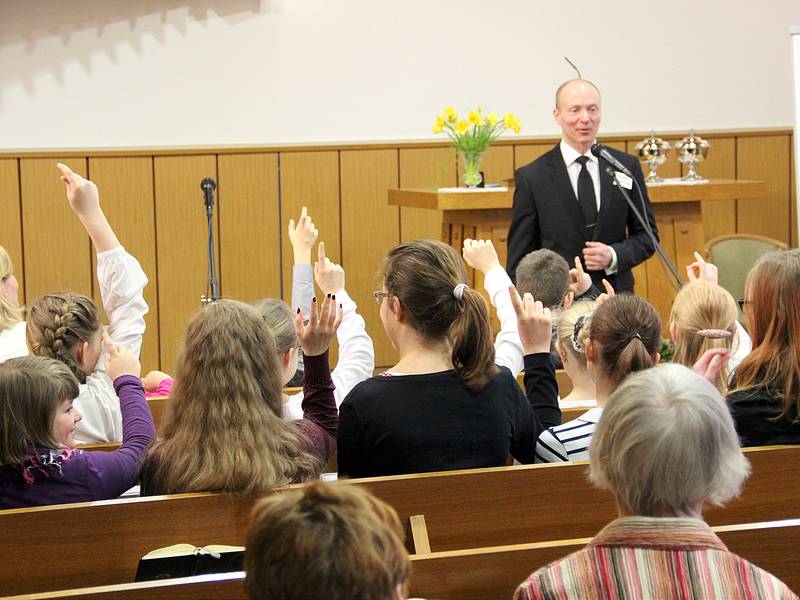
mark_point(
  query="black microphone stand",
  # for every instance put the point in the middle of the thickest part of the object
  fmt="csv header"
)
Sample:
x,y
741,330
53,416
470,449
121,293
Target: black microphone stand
x,y
665,261
208,186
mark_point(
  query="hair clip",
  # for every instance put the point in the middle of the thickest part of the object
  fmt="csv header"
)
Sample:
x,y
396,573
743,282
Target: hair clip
x,y
458,291
715,334
579,323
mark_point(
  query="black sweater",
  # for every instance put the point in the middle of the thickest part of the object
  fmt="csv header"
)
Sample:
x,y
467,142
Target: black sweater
x,y
432,422
754,412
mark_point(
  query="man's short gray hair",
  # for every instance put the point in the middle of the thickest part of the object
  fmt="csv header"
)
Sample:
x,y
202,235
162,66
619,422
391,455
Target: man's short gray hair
x,y
665,442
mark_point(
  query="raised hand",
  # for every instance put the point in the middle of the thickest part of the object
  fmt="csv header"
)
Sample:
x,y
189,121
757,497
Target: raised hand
x,y
119,360
82,194
302,236
480,255
317,335
579,280
609,293
329,275
710,365
700,270
533,321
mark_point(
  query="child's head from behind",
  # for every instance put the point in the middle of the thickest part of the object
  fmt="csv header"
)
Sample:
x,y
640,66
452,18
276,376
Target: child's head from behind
x,y
424,281
279,319
325,541
624,336
10,311
573,330
36,410
703,316
66,327
544,275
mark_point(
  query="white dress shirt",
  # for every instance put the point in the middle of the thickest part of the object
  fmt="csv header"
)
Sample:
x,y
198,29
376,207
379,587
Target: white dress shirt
x,y
570,156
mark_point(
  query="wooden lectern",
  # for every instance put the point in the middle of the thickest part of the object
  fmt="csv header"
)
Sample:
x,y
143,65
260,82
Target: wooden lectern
x,y
677,208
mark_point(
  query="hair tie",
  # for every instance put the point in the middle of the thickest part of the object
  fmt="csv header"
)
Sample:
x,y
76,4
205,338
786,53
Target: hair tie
x,y
458,291
579,323
635,335
714,333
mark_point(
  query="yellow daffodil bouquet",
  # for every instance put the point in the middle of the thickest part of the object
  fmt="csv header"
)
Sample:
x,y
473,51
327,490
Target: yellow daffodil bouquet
x,y
473,136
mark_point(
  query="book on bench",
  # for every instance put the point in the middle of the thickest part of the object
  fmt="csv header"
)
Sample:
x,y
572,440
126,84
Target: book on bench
x,y
185,560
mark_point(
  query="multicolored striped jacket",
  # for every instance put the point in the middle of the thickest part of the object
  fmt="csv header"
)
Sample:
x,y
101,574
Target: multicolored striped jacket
x,y
638,558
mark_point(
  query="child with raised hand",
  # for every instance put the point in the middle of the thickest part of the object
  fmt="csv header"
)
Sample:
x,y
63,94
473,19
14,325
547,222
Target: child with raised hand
x,y
356,350
67,327
39,463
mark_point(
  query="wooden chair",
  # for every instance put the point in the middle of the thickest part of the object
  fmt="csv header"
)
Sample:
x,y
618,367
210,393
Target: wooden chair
x,y
458,509
476,573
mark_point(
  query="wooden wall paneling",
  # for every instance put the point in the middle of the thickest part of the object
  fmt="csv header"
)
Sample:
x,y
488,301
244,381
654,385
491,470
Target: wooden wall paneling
x,y
55,244
311,179
793,193
527,153
765,158
181,245
126,195
719,218
659,291
11,223
620,145
497,164
250,226
425,168
370,228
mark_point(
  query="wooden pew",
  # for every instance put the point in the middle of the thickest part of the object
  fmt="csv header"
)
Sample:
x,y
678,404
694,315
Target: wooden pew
x,y
476,573
462,509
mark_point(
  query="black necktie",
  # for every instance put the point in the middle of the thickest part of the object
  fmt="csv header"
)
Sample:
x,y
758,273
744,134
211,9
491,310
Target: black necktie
x,y
586,196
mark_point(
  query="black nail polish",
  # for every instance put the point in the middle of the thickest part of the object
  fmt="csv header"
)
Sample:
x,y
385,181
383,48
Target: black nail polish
x,y
314,299
329,295
333,296
298,310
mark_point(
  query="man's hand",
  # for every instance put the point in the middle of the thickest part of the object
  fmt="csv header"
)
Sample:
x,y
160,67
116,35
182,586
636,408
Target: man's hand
x,y
579,280
302,236
597,256
534,322
329,275
700,270
480,254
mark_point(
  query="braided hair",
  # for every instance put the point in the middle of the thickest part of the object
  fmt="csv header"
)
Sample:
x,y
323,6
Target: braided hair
x,y
57,323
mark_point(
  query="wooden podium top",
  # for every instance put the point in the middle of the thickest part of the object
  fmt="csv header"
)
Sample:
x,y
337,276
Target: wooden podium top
x,y
714,189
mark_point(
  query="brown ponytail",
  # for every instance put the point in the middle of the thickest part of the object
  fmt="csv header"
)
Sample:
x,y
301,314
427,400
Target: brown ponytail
x,y
57,323
628,331
423,275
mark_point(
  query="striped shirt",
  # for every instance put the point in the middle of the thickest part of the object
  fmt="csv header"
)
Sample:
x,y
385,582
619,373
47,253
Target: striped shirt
x,y
568,441
637,558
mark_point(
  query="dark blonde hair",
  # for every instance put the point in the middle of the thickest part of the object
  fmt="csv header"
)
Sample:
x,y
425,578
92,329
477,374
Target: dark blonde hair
x,y
31,389
545,276
573,329
58,323
628,330
422,275
701,307
10,314
278,317
324,541
773,320
223,428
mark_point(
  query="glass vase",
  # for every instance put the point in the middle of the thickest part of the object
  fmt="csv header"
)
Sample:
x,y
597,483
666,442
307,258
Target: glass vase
x,y
472,168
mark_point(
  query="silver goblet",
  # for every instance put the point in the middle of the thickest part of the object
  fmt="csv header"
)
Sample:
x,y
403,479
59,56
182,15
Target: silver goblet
x,y
653,151
691,150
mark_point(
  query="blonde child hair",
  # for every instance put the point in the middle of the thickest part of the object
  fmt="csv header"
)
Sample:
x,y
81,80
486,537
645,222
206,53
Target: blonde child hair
x,y
10,314
703,317
573,330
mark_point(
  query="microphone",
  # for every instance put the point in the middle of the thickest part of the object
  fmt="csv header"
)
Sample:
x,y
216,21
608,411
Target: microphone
x,y
601,151
208,186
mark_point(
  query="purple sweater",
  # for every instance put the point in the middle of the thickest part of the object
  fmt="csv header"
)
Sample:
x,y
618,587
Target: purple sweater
x,y
70,475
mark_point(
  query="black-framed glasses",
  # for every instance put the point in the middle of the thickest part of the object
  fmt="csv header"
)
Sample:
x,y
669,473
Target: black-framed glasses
x,y
379,296
742,302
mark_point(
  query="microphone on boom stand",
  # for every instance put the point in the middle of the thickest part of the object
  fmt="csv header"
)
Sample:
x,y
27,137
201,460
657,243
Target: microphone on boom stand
x,y
208,185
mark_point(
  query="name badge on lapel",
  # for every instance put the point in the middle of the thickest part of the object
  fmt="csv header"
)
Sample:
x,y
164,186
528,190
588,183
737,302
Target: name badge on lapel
x,y
624,180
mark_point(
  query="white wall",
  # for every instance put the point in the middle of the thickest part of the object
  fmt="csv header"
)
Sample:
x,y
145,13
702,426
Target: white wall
x,y
116,73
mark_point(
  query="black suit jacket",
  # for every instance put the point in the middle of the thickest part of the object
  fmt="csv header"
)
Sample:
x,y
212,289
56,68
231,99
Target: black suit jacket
x,y
546,214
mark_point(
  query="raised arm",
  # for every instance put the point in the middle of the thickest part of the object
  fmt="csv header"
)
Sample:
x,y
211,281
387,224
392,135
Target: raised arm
x,y
481,255
356,350
302,236
84,199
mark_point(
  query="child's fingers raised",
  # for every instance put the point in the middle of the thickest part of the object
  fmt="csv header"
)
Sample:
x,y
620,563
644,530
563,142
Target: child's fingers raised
x,y
609,288
578,265
339,316
298,324
321,253
516,301
313,315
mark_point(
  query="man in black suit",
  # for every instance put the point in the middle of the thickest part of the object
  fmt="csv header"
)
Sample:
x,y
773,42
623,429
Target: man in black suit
x,y
565,200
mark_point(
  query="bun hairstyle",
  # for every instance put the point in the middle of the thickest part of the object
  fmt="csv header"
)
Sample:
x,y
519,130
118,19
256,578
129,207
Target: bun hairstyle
x,y
10,314
628,330
704,317
57,323
427,277
573,329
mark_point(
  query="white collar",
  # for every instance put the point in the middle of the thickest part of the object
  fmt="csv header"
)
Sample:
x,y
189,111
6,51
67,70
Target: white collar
x,y
570,155
592,415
